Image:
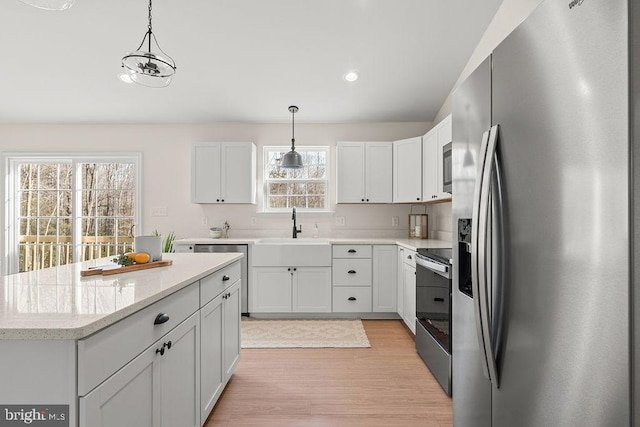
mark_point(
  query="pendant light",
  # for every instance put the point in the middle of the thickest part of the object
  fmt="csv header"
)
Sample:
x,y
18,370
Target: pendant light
x,y
50,4
292,160
149,68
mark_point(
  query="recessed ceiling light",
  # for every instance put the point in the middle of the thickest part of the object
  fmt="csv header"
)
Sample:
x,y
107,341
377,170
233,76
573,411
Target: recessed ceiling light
x,y
125,78
351,76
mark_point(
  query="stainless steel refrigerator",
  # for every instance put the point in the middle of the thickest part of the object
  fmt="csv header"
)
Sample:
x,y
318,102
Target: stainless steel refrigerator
x,y
545,197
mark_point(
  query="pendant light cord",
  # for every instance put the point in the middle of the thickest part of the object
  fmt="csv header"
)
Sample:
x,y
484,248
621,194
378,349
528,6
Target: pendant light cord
x,y
293,130
150,26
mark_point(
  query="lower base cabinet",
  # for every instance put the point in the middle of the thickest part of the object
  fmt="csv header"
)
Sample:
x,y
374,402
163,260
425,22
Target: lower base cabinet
x,y
220,346
291,289
160,387
178,379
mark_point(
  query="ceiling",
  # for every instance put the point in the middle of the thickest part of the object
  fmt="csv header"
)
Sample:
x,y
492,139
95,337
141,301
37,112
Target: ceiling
x,y
238,60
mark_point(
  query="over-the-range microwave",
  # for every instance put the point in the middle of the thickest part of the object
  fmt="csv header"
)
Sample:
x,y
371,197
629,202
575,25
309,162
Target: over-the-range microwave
x,y
446,169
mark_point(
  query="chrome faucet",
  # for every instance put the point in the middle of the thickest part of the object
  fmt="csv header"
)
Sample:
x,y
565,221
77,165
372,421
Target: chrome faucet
x,y
296,230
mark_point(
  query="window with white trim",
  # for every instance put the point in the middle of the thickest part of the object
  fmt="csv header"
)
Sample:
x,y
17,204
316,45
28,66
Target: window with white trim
x,y
69,208
306,189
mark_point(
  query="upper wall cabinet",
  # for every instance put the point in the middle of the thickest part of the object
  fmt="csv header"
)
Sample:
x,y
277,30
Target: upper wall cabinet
x,y
407,170
223,172
365,172
434,143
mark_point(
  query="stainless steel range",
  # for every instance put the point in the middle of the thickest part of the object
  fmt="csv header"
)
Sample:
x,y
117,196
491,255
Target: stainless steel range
x,y
433,312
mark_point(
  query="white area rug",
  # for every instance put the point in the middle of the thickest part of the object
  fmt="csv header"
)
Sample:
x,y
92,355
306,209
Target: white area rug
x,y
303,333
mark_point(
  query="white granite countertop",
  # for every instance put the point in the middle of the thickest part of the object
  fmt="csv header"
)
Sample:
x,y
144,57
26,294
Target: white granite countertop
x,y
412,244
56,303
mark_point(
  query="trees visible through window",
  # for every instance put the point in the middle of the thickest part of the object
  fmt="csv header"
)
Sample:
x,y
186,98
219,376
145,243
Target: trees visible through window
x,y
304,188
70,210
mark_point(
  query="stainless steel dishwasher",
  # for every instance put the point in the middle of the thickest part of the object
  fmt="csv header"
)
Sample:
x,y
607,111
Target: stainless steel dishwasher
x,y
243,265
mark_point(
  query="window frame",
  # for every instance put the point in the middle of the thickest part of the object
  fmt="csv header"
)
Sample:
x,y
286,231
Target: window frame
x,y
266,180
10,232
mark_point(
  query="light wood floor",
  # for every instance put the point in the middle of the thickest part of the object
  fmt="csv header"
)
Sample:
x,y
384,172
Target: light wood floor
x,y
385,385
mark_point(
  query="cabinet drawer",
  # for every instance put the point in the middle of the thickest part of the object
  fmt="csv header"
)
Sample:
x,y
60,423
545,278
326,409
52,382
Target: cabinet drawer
x,y
352,272
356,299
103,353
213,285
352,251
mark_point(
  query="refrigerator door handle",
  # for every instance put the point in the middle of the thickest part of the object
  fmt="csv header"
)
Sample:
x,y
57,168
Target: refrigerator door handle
x,y
477,259
484,254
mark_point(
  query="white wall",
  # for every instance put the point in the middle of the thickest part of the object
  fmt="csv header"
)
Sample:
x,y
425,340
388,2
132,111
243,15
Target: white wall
x,y
166,172
509,15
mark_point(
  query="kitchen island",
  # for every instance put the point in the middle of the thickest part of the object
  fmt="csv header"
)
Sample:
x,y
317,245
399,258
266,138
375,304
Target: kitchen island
x,y
124,349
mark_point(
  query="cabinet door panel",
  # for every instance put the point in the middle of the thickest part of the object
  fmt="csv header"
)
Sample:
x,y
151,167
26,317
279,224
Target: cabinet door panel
x,y
430,166
312,290
410,297
400,278
270,290
350,172
211,371
385,276
379,172
205,173
231,330
127,398
407,170
180,375
238,176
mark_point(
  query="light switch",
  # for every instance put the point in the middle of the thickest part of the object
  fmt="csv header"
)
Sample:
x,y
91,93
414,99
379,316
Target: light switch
x,y
159,211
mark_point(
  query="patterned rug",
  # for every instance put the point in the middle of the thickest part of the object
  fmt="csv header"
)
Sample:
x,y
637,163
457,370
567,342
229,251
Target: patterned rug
x,y
303,333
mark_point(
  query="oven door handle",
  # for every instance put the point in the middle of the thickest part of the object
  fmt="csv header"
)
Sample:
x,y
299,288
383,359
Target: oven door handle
x,y
433,266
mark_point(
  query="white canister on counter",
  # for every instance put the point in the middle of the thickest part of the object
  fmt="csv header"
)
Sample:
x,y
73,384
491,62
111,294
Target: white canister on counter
x,y
149,244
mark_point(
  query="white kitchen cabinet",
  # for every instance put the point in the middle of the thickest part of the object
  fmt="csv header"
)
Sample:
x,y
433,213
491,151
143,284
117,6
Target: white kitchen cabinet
x,y
271,291
212,377
410,297
400,281
291,289
160,387
409,284
385,275
364,172
407,170
223,172
430,166
311,289
231,330
351,278
432,162
220,346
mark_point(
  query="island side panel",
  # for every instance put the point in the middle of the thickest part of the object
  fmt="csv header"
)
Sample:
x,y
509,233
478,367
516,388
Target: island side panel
x,y
38,372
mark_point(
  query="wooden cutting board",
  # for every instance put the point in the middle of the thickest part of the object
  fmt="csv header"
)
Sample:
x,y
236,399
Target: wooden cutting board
x,y
124,269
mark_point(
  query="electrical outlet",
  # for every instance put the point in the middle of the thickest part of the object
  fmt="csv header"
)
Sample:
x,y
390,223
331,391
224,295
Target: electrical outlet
x,y
395,221
254,220
340,221
205,221
159,211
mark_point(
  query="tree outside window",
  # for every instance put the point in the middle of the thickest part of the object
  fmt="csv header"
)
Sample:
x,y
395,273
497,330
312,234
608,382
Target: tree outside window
x,y
70,209
305,188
